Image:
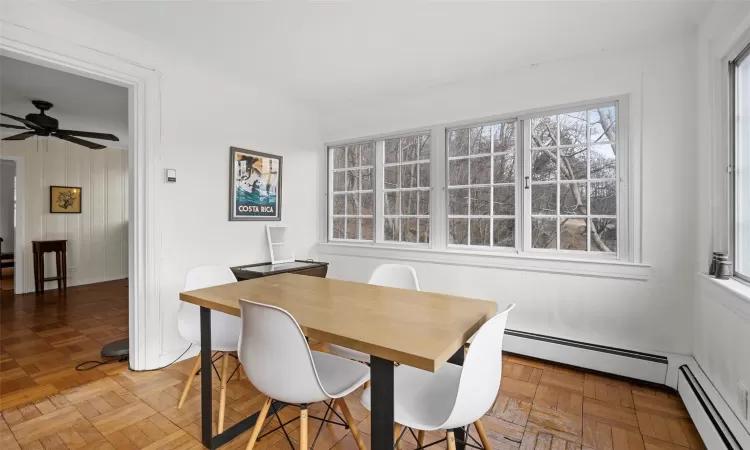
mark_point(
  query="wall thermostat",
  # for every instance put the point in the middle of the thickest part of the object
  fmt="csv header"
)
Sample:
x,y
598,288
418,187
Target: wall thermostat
x,y
171,176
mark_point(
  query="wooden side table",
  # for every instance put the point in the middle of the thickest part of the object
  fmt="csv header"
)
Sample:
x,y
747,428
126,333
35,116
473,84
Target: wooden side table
x,y
59,248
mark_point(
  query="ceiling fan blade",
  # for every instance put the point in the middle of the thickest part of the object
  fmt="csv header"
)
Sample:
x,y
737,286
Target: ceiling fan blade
x,y
74,140
20,137
28,123
15,127
89,134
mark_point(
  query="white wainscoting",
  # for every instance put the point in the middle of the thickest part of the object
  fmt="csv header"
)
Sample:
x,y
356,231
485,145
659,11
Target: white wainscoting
x,y
98,237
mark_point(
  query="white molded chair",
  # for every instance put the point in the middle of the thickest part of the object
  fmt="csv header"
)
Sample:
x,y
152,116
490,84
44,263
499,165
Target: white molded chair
x,y
225,329
389,275
454,396
279,363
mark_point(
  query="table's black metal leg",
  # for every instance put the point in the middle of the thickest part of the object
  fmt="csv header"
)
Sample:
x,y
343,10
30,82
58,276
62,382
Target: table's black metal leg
x,y
381,396
206,390
458,433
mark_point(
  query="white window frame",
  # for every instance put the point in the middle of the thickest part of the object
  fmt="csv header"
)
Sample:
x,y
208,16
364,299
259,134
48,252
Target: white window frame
x,y
734,232
329,211
626,175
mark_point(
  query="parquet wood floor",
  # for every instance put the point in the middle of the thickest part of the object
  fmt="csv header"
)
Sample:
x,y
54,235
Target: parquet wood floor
x,y
47,405
540,406
44,337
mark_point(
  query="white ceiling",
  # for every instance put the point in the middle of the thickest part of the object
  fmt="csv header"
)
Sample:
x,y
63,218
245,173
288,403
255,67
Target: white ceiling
x,y
79,103
340,51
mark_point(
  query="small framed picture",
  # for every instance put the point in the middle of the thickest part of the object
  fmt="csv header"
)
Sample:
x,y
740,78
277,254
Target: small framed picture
x,y
255,185
64,199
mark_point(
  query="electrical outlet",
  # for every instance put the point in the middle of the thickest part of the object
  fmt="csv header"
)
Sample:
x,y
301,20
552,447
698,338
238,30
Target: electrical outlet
x,y
744,399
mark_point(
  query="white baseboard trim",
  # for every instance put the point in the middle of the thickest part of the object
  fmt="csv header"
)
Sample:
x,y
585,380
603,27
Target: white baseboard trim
x,y
625,363
715,421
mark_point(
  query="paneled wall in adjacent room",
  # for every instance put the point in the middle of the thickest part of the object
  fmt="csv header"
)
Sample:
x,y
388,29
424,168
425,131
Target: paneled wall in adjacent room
x,y
98,236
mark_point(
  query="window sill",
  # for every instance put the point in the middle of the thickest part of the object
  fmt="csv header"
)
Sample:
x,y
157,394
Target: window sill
x,y
496,260
738,299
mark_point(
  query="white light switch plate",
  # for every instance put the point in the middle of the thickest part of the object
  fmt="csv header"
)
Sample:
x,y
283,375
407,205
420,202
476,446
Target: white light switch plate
x,y
743,398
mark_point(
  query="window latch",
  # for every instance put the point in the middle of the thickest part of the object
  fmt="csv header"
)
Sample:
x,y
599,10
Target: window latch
x,y
526,180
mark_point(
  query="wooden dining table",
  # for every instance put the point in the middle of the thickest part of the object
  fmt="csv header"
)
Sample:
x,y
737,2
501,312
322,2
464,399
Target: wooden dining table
x,y
420,329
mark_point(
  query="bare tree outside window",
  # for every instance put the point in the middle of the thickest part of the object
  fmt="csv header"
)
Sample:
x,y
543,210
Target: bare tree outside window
x,y
406,189
352,177
573,180
482,185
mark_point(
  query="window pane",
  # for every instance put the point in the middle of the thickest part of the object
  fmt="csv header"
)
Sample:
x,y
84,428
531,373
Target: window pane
x,y
338,204
358,197
424,147
368,154
573,199
458,231
339,181
458,202
479,140
480,170
573,128
390,177
339,157
366,204
352,180
544,233
424,231
352,204
505,137
603,161
573,163
544,165
338,228
604,235
391,204
604,198
603,124
352,156
544,131
480,232
504,234
544,199
480,201
352,228
409,203
424,175
392,151
409,175
366,229
505,168
742,171
573,233
458,142
409,230
424,203
391,228
366,179
504,201
409,149
458,172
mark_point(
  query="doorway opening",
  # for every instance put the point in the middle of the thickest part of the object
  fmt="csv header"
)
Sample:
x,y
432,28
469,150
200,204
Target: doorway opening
x,y
70,197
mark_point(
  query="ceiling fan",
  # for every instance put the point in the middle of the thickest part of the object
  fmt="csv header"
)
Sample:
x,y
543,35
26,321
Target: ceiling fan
x,y
43,125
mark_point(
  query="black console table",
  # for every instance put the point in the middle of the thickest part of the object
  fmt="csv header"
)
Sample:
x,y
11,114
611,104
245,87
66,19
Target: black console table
x,y
300,267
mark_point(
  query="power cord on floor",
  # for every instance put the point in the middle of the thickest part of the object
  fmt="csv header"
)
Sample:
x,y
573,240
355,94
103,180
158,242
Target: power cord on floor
x,y
96,364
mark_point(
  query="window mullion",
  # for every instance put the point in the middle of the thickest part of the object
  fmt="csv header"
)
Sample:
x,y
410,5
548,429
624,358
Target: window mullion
x,y
378,200
525,216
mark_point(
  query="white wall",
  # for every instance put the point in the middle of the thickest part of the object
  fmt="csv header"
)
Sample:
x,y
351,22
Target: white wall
x,y
98,237
7,208
203,112
722,313
660,80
